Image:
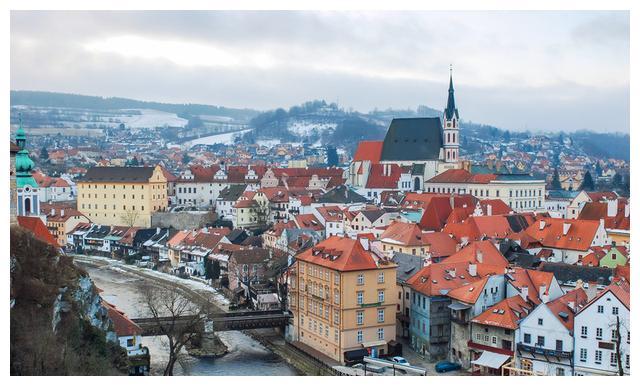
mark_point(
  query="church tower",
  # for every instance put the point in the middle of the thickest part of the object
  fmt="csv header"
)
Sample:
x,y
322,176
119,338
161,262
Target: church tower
x,y
28,203
451,132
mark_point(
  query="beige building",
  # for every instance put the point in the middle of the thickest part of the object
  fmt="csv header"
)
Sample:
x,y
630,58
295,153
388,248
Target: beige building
x,y
343,298
122,195
61,220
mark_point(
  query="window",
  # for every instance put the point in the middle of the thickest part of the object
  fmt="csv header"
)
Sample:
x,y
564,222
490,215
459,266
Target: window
x,y
527,338
359,336
360,279
335,335
359,318
614,335
494,340
380,333
583,355
359,297
380,315
614,359
627,363
559,371
558,344
599,333
540,322
381,296
598,356
336,317
540,341
601,309
381,277
614,310
584,331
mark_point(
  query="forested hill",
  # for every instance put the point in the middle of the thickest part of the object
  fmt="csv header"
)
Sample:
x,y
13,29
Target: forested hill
x,y
62,100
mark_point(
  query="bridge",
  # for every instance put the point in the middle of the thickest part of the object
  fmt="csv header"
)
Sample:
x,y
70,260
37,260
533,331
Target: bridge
x,y
243,320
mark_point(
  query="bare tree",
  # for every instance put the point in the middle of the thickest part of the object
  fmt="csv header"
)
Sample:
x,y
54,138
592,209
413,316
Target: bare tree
x,y
617,341
175,316
129,218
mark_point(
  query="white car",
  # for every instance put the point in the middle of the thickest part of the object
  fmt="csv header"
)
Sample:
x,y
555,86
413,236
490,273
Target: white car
x,y
400,361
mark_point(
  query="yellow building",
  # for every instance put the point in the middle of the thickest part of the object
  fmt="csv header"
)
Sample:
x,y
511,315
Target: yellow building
x,y
124,196
61,220
343,298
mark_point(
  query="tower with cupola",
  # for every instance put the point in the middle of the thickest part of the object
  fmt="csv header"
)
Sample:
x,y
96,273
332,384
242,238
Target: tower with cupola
x,y
451,126
28,203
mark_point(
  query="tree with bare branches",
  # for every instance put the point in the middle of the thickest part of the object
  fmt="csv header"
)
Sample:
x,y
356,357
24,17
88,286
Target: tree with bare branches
x,y
129,218
175,316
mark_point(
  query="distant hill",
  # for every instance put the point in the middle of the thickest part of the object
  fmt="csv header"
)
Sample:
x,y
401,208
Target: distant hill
x,y
62,100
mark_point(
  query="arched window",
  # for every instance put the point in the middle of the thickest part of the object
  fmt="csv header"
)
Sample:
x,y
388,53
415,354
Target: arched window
x,y
27,205
454,137
448,137
454,122
448,154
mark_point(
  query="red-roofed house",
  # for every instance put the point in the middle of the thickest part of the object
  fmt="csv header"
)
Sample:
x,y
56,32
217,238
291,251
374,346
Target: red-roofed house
x,y
596,332
546,336
569,240
39,230
129,336
520,192
343,299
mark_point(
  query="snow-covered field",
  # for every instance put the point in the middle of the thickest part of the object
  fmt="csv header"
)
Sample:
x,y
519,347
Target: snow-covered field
x,y
306,127
226,139
152,118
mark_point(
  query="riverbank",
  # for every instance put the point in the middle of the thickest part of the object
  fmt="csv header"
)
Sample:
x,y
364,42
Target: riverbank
x,y
269,338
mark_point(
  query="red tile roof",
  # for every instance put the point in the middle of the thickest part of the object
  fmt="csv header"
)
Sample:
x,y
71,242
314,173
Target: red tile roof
x,y
579,236
402,233
563,304
533,280
331,213
469,293
480,252
478,227
340,254
368,151
384,176
598,210
122,325
505,314
309,221
39,230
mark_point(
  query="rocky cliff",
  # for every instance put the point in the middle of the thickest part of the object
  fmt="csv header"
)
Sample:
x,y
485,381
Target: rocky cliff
x,y
58,325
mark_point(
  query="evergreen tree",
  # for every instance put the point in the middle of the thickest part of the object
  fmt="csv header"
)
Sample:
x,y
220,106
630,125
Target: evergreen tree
x,y
186,159
212,269
134,161
598,169
555,183
587,182
332,156
44,154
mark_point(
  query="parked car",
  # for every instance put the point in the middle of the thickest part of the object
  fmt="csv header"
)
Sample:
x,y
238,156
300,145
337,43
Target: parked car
x,y
446,366
400,361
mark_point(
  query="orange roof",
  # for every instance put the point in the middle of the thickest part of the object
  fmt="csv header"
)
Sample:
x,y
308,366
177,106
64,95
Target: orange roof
x,y
406,234
533,280
368,151
440,244
384,176
598,210
620,289
309,221
497,207
340,254
39,230
505,314
481,252
469,293
478,227
331,213
579,236
562,304
122,325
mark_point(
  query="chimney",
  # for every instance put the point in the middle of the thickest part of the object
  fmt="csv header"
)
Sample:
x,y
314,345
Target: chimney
x,y
572,305
612,207
602,222
626,210
543,289
452,272
489,211
565,228
61,212
579,283
542,224
451,201
473,269
479,255
524,292
53,211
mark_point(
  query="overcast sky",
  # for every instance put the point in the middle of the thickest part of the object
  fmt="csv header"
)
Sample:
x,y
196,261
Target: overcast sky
x,y
516,70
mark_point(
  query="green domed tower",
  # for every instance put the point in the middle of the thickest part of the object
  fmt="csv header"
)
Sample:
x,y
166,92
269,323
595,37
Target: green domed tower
x,y
27,189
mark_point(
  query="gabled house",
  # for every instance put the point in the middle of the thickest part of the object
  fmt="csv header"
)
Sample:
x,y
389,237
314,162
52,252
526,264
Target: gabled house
x,y
546,338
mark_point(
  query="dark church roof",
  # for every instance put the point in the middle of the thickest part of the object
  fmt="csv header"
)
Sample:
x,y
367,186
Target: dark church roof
x,y
450,111
412,139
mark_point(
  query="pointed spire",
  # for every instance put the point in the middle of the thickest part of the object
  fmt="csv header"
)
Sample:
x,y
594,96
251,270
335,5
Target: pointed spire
x,y
450,111
21,137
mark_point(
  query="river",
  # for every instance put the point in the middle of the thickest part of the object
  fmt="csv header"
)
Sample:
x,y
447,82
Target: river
x,y
246,356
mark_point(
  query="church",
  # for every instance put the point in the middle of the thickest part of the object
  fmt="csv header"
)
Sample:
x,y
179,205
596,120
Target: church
x,y
413,151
